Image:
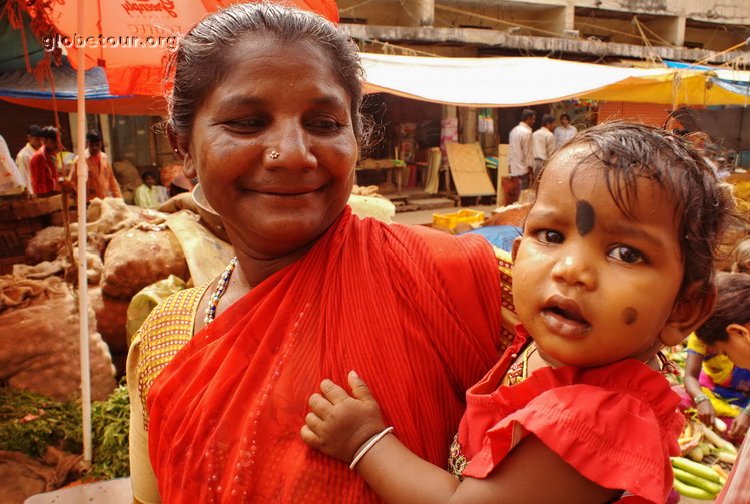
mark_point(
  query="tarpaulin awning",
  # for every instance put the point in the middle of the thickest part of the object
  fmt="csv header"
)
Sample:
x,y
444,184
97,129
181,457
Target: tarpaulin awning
x,y
505,82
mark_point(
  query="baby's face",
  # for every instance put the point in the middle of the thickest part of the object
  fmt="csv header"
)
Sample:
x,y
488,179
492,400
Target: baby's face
x,y
592,285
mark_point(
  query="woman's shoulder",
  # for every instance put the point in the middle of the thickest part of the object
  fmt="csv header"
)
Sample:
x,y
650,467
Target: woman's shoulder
x,y
167,329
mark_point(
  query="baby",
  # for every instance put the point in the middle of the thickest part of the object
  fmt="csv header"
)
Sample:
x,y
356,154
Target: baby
x,y
616,261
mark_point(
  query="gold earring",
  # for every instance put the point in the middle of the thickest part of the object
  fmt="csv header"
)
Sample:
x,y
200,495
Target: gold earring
x,y
274,154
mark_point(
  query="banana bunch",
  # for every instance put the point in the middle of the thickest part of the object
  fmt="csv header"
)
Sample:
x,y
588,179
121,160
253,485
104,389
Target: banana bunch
x,y
697,474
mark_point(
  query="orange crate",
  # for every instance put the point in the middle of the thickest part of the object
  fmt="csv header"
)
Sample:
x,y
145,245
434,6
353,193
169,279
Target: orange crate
x,y
449,220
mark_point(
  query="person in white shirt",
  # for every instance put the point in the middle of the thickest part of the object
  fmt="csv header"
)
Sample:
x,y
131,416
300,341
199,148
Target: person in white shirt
x,y
565,131
23,158
544,143
11,180
520,156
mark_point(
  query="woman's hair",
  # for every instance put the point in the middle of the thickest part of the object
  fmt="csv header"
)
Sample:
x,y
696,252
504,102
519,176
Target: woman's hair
x,y
199,61
704,207
731,307
741,256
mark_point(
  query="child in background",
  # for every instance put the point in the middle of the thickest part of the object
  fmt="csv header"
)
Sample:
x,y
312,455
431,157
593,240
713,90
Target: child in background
x,y
615,262
718,386
149,194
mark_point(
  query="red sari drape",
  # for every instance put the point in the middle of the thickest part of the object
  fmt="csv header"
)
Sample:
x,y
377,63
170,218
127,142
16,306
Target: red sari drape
x,y
414,311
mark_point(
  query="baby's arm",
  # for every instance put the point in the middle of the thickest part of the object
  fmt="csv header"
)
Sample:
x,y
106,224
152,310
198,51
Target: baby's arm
x,y
340,424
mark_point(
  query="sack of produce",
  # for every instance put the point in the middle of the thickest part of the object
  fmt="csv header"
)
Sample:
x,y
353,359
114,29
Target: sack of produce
x,y
39,340
107,217
137,258
45,245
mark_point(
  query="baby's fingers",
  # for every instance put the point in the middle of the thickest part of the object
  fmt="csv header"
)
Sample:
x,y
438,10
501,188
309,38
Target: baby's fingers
x,y
360,390
334,393
319,405
309,437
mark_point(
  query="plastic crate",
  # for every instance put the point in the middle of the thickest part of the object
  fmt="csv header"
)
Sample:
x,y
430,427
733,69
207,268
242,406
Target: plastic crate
x,y
449,220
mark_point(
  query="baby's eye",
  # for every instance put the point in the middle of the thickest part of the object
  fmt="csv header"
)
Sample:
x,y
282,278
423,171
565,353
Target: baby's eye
x,y
549,236
626,254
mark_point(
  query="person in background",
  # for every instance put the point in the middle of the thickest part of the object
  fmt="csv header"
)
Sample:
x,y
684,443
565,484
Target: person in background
x,y
45,165
520,155
11,180
717,385
23,158
150,194
101,182
565,131
544,143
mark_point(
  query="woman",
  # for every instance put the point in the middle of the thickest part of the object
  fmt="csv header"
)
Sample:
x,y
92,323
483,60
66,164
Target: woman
x,y
265,112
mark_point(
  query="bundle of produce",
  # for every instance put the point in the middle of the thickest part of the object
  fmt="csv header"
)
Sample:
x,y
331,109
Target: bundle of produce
x,y
45,245
370,190
137,258
39,340
33,427
706,460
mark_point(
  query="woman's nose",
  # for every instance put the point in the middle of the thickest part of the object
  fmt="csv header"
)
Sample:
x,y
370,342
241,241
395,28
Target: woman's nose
x,y
290,147
575,269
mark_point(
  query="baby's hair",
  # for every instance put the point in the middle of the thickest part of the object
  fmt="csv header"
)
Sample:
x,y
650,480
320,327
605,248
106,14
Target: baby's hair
x,y
704,207
741,257
731,307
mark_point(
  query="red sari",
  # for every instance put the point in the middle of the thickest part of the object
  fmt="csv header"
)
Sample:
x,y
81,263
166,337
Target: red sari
x,y
415,312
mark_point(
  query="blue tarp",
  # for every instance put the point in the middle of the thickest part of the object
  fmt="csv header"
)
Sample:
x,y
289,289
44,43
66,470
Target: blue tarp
x,y
733,86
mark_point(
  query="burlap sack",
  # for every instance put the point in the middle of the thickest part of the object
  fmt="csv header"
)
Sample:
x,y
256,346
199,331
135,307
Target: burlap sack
x,y
137,258
39,341
22,476
111,319
45,245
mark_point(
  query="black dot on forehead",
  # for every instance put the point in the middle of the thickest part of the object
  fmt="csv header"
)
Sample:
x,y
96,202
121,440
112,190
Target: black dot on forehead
x,y
585,217
629,316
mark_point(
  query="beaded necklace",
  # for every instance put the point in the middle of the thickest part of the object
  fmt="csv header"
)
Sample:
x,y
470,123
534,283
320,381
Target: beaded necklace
x,y
221,286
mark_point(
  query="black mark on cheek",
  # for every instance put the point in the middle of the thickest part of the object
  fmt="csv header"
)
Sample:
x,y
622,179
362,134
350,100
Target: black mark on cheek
x,y
584,217
629,316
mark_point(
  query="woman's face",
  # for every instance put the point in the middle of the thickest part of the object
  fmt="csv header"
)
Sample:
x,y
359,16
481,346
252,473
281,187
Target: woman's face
x,y
273,146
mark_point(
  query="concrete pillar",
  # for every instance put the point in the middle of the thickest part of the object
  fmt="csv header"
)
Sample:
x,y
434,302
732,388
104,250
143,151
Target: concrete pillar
x,y
467,124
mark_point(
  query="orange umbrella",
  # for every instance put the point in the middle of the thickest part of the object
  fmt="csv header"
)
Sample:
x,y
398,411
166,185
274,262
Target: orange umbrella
x,y
131,39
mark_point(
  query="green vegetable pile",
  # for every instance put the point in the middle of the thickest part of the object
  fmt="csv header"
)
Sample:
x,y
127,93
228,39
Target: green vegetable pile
x,y
30,422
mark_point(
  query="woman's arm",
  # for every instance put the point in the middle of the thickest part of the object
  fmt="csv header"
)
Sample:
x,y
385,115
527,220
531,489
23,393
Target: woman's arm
x,y
706,412
531,473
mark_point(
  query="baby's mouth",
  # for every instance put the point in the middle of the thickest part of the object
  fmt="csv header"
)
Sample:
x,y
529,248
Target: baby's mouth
x,y
564,316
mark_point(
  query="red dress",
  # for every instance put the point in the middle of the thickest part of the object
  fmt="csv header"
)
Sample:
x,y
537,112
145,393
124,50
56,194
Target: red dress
x,y
617,425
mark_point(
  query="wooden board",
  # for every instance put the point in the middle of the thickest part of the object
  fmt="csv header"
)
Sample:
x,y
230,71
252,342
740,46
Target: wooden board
x,y
468,169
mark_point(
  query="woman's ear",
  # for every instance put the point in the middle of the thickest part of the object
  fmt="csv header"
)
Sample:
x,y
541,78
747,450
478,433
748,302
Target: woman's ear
x,y
181,147
688,313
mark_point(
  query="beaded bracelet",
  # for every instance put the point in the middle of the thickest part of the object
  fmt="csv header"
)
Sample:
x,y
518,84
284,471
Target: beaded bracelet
x,y
700,398
369,444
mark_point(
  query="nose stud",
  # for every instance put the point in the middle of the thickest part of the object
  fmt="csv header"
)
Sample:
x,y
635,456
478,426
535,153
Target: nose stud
x,y
274,154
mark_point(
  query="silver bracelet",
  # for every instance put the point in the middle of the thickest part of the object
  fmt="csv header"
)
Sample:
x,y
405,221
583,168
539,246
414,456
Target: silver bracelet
x,y
369,444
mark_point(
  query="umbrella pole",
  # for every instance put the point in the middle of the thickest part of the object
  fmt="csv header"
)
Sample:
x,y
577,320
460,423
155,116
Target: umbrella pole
x,y
83,294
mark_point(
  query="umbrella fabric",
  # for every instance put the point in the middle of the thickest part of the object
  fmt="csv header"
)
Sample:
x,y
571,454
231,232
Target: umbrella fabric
x,y
137,66
729,127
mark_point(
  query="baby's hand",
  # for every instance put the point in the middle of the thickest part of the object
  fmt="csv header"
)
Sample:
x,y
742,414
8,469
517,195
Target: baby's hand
x,y
338,424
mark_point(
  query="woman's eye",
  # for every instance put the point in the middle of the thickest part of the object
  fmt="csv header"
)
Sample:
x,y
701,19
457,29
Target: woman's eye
x,y
549,236
626,255
247,124
325,124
